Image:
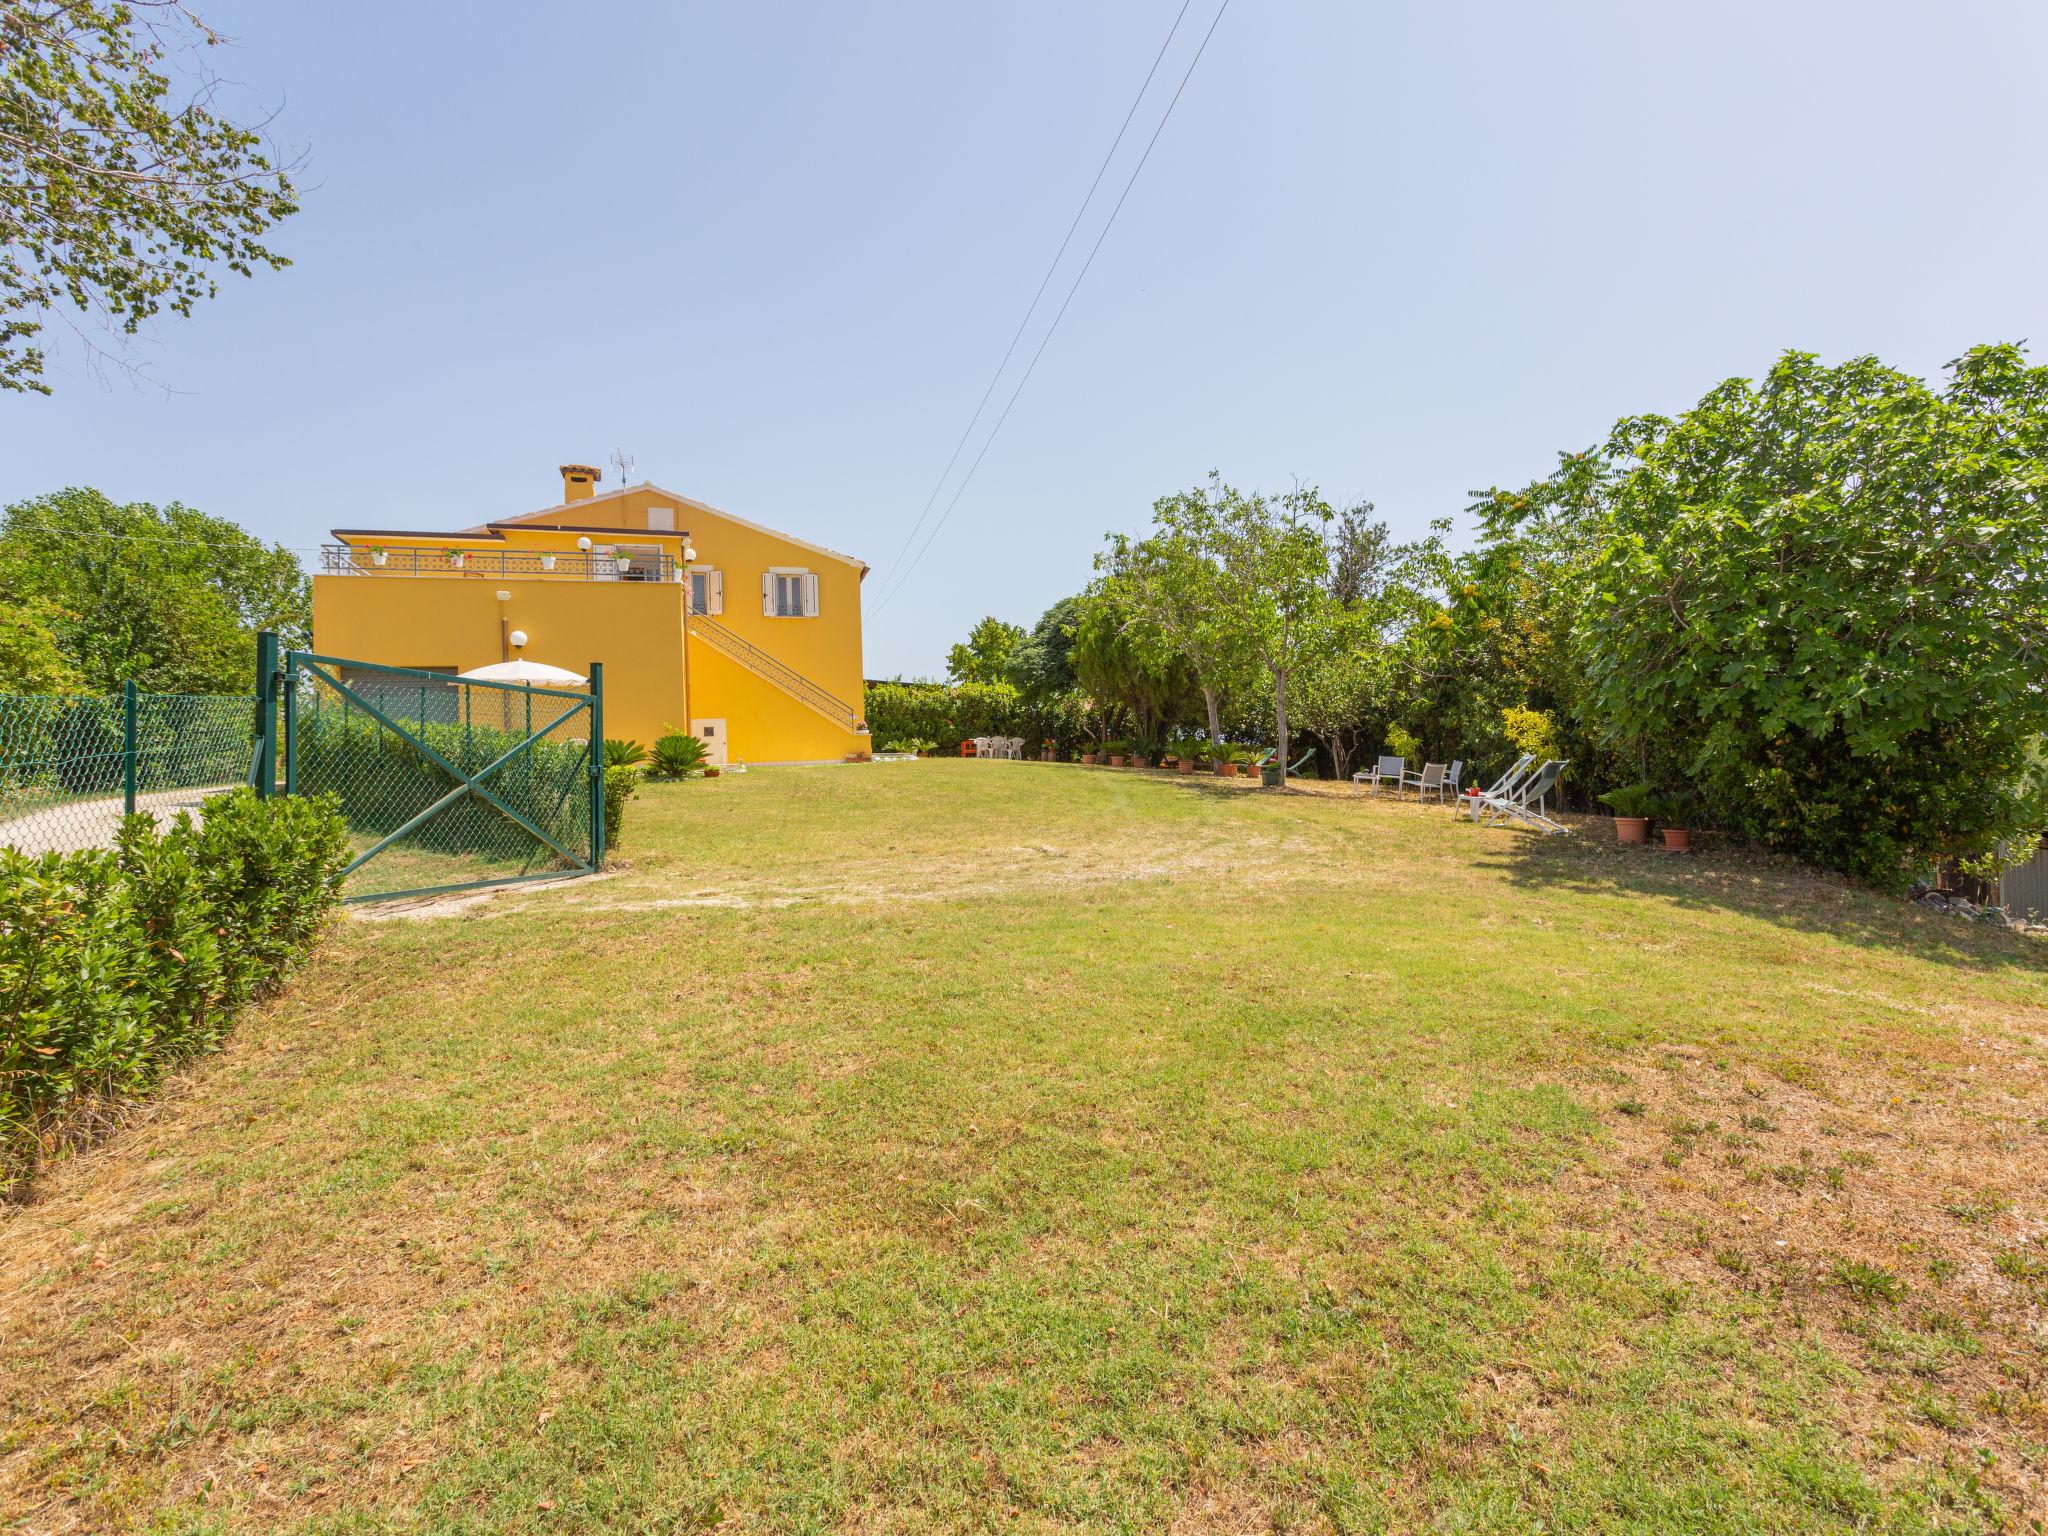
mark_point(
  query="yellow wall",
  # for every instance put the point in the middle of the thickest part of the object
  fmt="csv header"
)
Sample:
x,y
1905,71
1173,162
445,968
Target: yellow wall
x,y
634,628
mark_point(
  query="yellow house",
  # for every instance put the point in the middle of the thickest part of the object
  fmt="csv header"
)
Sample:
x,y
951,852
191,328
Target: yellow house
x,y
705,622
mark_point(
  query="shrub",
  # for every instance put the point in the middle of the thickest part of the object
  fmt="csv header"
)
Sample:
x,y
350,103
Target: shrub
x,y
676,756
384,780
914,744
1402,743
621,783
952,714
1532,731
620,753
116,966
1819,596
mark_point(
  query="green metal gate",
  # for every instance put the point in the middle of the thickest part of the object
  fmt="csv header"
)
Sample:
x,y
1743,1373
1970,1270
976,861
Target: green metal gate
x,y
447,782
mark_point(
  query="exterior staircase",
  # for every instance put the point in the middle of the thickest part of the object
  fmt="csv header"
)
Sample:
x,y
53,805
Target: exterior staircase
x,y
792,682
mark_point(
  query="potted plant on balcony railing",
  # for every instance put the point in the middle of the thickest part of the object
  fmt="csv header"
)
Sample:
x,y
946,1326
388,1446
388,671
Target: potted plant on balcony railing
x,y
456,558
625,563
379,555
547,560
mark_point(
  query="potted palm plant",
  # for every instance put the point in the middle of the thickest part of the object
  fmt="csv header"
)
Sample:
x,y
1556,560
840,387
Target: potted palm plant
x,y
1118,751
1631,806
1677,810
1226,758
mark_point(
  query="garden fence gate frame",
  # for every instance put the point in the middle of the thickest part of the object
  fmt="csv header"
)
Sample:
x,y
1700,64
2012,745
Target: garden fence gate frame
x,y
447,783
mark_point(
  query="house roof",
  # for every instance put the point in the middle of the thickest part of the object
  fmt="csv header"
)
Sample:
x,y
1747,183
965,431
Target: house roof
x,y
685,501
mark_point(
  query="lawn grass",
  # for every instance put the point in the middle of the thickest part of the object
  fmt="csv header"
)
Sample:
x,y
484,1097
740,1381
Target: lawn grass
x,y
984,1146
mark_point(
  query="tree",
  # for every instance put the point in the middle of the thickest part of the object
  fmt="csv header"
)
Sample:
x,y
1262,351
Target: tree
x,y
1362,554
1042,665
1824,598
1343,684
31,660
985,657
118,199
1171,580
1273,563
170,597
1122,666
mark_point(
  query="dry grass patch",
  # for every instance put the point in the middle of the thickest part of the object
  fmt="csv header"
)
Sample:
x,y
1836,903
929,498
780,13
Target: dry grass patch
x,y
966,1146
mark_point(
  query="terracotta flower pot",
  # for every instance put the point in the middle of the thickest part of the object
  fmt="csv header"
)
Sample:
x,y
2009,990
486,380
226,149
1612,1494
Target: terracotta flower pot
x,y
1226,770
1116,759
1631,829
1185,764
1087,759
1139,762
1678,839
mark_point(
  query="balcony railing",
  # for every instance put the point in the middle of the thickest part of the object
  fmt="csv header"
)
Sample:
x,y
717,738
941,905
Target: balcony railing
x,y
367,560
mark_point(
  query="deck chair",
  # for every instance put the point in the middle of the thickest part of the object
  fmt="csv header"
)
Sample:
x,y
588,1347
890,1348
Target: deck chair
x,y
1394,768
1528,803
1431,778
1519,770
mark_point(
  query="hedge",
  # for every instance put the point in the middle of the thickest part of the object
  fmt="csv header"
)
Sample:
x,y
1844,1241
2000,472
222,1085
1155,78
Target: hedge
x,y
952,713
116,966
385,780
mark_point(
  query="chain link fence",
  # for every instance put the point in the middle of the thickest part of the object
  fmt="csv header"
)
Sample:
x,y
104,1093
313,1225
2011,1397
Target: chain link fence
x,y
446,783
72,767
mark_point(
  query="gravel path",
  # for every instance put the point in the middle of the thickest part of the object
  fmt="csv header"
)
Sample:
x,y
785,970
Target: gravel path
x,y
83,824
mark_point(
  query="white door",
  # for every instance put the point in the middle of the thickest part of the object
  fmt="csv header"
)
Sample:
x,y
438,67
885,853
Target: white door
x,y
712,734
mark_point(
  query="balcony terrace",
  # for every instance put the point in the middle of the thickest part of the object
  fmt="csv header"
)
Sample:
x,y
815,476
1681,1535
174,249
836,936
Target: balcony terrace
x,y
492,564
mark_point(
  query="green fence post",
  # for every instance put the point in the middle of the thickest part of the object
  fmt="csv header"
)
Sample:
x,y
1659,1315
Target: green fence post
x,y
291,733
266,714
597,765
128,747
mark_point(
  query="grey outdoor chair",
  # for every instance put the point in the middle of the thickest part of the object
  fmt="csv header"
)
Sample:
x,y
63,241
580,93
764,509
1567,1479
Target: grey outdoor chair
x,y
1394,768
1431,778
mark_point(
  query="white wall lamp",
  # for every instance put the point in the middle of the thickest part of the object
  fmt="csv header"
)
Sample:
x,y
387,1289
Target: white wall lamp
x,y
518,638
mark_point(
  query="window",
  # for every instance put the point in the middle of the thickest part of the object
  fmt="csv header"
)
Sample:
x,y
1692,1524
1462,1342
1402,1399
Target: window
x,y
707,590
789,594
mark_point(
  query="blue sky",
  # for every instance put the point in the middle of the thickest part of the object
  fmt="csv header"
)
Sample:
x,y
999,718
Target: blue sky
x,y
773,251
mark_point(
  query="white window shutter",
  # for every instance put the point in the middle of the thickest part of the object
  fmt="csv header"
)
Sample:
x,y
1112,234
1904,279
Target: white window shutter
x,y
716,602
810,595
767,594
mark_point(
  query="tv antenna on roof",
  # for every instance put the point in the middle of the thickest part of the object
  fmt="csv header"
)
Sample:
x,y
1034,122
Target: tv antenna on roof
x,y
622,461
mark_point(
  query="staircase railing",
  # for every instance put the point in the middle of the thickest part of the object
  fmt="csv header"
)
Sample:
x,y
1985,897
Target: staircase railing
x,y
783,676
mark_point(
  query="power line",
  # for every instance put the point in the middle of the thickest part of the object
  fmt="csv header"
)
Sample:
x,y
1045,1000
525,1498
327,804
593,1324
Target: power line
x,y
1076,288
1032,308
